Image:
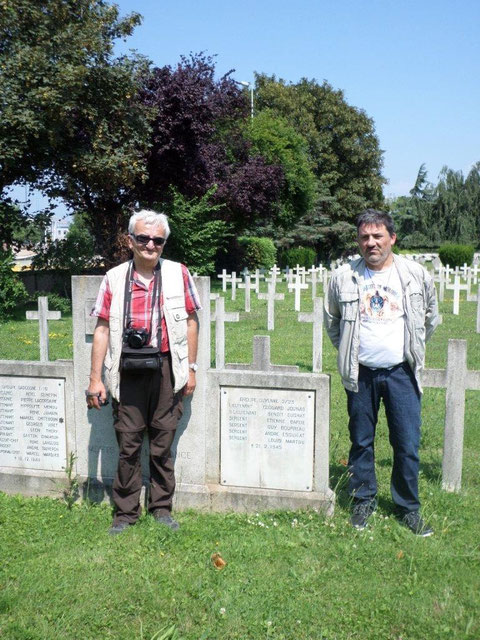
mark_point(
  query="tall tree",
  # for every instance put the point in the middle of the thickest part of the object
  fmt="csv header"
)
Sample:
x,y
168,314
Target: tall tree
x,y
197,143
343,148
447,211
70,123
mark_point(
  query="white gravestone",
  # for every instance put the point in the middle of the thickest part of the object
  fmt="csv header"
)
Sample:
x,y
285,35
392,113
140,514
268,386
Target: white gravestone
x,y
297,286
32,423
234,281
224,277
220,317
248,288
270,297
267,438
43,315
317,319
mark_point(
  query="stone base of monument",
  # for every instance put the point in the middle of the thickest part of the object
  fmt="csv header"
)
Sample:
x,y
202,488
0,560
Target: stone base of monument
x,y
249,500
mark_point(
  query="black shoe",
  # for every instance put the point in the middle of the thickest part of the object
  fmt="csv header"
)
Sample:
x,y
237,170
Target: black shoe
x,y
415,523
165,518
120,527
361,512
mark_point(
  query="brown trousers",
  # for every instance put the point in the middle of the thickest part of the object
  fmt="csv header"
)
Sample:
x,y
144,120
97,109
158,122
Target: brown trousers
x,y
147,404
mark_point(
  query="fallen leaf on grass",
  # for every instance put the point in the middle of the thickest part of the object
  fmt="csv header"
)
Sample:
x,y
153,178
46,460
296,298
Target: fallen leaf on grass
x,y
400,554
343,462
217,561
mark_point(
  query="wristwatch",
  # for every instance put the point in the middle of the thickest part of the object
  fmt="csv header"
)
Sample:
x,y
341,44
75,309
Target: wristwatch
x,y
193,366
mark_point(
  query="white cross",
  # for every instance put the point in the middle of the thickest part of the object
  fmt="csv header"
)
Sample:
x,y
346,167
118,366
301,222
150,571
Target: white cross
x,y
317,319
298,286
224,276
43,315
220,317
261,359
247,288
234,281
270,297
457,287
313,280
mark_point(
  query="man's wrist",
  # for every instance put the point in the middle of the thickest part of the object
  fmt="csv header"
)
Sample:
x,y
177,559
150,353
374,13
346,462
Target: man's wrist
x,y
193,366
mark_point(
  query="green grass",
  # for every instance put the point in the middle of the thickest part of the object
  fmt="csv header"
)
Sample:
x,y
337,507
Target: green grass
x,y
289,575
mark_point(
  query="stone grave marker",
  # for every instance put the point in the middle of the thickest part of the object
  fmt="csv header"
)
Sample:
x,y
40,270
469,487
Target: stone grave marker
x,y
270,297
273,438
316,318
220,317
297,286
43,315
247,286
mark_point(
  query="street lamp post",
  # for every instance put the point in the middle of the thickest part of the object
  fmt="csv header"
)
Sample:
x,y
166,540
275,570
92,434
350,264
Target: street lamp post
x,y
244,83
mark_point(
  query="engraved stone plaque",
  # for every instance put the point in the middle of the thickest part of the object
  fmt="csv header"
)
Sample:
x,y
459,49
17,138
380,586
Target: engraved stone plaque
x,y
267,438
32,423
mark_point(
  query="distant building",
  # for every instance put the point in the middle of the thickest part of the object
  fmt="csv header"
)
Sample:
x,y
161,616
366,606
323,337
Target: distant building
x,y
59,229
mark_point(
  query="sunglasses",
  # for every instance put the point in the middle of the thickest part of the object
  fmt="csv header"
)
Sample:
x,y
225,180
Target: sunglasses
x,y
158,241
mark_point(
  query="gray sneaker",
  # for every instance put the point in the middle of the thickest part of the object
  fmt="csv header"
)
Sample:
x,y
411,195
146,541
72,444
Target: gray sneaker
x,y
416,524
361,512
165,518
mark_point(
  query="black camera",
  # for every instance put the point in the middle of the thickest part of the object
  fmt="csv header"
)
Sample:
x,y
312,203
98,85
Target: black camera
x,y
135,338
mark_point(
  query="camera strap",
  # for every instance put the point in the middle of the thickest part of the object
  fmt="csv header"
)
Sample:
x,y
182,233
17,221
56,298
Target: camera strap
x,y
127,301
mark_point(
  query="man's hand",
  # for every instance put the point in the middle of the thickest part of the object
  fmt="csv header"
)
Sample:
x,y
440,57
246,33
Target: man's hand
x,y
189,388
95,401
99,349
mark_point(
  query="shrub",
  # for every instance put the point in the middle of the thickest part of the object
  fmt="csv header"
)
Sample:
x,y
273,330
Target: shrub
x,y
303,256
456,255
12,289
257,253
197,236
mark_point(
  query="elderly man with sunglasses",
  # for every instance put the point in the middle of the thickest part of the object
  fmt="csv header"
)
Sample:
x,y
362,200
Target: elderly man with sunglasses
x,y
146,336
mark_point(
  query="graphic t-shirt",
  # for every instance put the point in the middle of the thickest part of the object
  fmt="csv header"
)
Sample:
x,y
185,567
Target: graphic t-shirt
x,y
381,319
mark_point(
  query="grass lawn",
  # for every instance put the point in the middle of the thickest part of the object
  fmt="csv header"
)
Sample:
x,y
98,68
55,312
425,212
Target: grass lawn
x,y
289,575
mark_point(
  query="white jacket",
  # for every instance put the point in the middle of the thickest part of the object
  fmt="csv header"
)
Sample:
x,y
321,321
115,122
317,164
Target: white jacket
x,y
175,314
342,315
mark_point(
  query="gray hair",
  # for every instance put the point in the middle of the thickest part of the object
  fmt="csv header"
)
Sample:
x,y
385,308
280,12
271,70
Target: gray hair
x,y
372,216
149,217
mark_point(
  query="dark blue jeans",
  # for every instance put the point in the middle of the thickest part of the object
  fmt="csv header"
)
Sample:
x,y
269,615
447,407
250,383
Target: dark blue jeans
x,y
399,391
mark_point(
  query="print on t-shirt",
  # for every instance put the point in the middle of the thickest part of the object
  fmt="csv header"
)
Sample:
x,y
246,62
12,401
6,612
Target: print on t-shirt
x,y
381,319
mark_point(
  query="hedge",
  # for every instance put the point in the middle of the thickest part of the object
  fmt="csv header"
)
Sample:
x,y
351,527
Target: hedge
x,y
456,255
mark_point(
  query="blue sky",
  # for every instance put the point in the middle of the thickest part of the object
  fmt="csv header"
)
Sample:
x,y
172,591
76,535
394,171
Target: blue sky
x,y
414,67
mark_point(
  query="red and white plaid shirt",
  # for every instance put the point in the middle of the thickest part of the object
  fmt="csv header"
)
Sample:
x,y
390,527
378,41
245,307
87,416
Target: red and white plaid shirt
x,y
141,305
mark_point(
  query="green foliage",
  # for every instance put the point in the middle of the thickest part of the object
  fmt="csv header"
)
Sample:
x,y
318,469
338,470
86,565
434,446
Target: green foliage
x,y
56,302
71,124
303,256
256,253
417,240
456,255
279,143
343,148
12,290
196,236
446,212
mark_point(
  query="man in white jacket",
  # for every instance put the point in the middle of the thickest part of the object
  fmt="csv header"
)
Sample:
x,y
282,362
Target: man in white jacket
x,y
146,336
379,312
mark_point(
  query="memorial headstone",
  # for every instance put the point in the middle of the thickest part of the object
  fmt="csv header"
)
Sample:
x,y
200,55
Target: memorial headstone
x,y
316,318
43,315
270,297
220,317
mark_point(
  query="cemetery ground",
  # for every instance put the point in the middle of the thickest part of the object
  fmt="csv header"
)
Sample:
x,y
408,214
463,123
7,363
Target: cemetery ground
x,y
288,575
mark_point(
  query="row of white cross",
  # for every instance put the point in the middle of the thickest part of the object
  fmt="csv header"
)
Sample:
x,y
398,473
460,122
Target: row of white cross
x,y
298,279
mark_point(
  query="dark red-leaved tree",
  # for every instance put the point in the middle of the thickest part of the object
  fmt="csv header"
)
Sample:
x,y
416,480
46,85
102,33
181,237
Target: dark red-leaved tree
x,y
197,143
